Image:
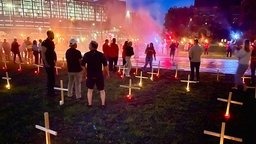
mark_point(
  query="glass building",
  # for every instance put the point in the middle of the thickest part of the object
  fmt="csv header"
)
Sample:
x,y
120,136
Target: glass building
x,y
36,16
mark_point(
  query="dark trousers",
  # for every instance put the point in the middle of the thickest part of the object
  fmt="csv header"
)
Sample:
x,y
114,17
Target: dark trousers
x,y
14,57
192,66
113,63
124,61
36,54
50,71
229,53
253,67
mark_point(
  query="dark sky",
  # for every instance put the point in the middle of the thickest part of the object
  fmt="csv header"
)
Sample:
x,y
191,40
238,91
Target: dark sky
x,y
157,8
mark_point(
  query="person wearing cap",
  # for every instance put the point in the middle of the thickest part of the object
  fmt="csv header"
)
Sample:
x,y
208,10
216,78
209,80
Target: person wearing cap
x,y
74,57
49,58
195,53
92,61
253,62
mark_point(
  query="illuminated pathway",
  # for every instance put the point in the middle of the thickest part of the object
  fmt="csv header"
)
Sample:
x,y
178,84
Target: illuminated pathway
x,y
226,66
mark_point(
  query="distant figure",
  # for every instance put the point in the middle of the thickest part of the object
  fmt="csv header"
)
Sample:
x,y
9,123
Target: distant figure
x,y
7,50
173,49
243,56
229,48
128,53
29,49
23,50
49,58
15,50
113,55
253,63
74,57
106,49
92,61
123,52
187,46
35,50
195,53
150,53
206,48
39,50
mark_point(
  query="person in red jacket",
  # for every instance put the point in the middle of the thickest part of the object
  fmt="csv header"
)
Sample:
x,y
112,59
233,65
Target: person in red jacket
x,y
113,55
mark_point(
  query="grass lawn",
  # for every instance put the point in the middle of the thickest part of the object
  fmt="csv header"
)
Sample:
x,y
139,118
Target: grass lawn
x,y
162,112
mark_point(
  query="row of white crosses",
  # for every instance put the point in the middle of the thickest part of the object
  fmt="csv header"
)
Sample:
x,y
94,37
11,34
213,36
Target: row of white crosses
x,y
227,115
41,66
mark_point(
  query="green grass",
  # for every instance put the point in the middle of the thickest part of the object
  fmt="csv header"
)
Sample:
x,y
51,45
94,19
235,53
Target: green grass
x,y
162,112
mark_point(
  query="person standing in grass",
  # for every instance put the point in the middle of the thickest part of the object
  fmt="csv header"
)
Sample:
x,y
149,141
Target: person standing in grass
x,y
128,53
150,54
74,57
92,62
243,55
49,58
195,53
15,50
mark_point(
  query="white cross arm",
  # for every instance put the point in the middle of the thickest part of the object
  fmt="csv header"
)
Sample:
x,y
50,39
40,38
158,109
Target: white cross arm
x,y
38,65
56,88
234,102
6,78
124,86
225,136
189,81
46,130
141,77
151,73
251,87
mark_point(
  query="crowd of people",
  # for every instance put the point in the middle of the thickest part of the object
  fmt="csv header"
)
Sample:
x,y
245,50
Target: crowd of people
x,y
94,64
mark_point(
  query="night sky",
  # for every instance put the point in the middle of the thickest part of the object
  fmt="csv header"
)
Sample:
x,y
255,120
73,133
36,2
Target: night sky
x,y
157,8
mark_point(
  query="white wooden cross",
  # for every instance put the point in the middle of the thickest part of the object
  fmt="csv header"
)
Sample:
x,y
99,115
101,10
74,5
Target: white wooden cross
x,y
38,68
245,77
46,129
152,72
136,69
56,68
141,77
121,70
218,75
188,82
5,65
7,78
229,101
222,135
130,87
253,87
61,91
176,71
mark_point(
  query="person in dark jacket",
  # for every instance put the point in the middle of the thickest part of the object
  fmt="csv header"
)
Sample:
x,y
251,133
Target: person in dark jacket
x,y
15,50
128,53
49,58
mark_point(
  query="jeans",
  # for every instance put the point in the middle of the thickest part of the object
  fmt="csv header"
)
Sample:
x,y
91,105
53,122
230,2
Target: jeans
x,y
192,66
74,78
128,65
148,60
240,72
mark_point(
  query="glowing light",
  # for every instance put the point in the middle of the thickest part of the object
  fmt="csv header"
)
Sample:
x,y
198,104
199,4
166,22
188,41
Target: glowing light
x,y
57,35
36,72
8,86
129,97
187,89
140,84
122,76
236,35
19,69
227,116
3,68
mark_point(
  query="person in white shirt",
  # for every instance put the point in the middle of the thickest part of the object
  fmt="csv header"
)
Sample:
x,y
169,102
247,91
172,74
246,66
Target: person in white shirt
x,y
243,55
195,53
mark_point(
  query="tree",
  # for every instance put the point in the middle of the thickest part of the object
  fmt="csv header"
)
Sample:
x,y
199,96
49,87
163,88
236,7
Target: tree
x,y
248,18
177,20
